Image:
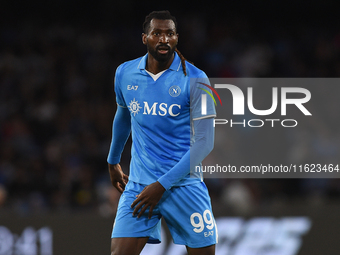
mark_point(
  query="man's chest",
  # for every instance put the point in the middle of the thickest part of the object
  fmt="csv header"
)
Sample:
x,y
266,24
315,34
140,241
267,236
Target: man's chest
x,y
167,97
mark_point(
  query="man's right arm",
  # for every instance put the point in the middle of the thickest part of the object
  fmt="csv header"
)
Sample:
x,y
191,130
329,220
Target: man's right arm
x,y
120,133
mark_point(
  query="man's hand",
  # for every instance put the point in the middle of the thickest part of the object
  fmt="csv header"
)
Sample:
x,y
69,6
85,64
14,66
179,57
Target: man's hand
x,y
149,196
118,178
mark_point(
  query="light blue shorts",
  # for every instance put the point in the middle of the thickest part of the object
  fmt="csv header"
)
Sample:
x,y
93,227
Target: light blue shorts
x,y
186,210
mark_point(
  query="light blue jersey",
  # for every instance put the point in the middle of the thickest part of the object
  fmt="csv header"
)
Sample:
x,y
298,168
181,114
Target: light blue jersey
x,y
168,135
161,116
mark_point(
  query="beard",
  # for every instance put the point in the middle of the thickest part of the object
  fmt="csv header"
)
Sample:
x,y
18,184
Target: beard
x,y
159,56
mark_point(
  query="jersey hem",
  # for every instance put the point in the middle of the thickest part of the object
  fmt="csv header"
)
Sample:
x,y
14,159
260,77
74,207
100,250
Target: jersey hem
x,y
190,181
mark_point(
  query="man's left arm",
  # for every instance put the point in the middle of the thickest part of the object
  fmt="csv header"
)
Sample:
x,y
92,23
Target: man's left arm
x,y
203,145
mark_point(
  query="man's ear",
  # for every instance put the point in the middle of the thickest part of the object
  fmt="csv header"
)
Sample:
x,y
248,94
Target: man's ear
x,y
144,38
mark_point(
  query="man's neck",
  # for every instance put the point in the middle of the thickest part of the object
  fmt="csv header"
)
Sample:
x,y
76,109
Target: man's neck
x,y
154,66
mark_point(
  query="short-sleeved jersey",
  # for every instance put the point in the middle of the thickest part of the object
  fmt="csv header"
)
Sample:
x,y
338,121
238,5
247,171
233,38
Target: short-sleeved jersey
x,y
161,115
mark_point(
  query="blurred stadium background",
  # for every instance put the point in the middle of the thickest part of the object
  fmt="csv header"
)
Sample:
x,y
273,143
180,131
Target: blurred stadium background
x,y
57,62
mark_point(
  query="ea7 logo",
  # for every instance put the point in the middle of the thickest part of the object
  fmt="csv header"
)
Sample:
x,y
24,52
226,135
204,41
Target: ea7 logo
x,y
238,100
131,87
161,109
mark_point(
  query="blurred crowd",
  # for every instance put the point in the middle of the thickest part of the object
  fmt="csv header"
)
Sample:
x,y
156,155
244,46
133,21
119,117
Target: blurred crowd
x,y
57,105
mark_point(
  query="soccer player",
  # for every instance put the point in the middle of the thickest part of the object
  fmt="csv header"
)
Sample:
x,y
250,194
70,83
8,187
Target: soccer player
x,y
171,135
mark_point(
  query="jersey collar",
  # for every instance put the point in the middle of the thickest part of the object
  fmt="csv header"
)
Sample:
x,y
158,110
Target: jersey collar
x,y
175,65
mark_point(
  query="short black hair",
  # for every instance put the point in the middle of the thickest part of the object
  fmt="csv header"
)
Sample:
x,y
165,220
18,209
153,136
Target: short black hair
x,y
163,15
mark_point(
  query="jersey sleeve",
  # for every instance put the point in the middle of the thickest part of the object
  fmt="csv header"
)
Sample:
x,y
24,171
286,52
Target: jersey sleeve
x,y
120,133
118,89
202,101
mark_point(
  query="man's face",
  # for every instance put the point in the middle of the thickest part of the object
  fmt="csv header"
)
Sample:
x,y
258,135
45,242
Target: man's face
x,y
161,39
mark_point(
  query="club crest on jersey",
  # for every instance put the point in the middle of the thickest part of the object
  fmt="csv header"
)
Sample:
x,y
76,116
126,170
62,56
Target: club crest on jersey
x,y
175,91
134,107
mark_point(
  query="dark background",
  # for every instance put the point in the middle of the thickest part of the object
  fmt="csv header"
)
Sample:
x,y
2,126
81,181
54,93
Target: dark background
x,y
57,63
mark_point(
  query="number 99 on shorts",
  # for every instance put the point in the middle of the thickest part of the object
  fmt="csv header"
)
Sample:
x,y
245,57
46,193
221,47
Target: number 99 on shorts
x,y
199,222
